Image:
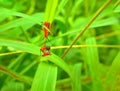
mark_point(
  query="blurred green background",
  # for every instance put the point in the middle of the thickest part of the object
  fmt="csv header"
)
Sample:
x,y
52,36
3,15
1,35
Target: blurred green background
x,y
21,36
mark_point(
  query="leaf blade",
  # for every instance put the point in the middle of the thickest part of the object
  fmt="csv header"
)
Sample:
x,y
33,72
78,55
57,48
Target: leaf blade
x,y
45,78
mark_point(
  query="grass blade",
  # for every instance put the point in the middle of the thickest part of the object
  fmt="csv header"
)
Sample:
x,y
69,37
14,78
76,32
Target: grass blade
x,y
50,10
7,12
59,62
13,86
94,65
77,77
111,74
45,77
15,75
25,23
61,6
26,47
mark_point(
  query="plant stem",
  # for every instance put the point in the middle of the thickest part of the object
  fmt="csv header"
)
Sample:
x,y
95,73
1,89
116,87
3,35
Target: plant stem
x,y
81,46
116,4
87,26
10,53
15,75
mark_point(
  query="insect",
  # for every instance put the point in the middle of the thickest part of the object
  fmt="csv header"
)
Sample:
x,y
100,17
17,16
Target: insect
x,y
46,32
45,49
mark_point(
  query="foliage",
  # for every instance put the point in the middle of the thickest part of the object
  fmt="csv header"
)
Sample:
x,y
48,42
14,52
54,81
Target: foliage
x,y
91,65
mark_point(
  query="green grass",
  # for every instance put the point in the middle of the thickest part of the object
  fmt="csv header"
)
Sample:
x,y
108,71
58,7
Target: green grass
x,y
84,40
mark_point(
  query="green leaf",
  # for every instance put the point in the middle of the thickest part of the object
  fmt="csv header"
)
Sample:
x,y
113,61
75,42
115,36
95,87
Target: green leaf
x,y
77,77
93,63
105,22
25,47
8,12
117,9
61,6
13,86
59,62
15,75
25,23
80,22
50,10
45,77
112,73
